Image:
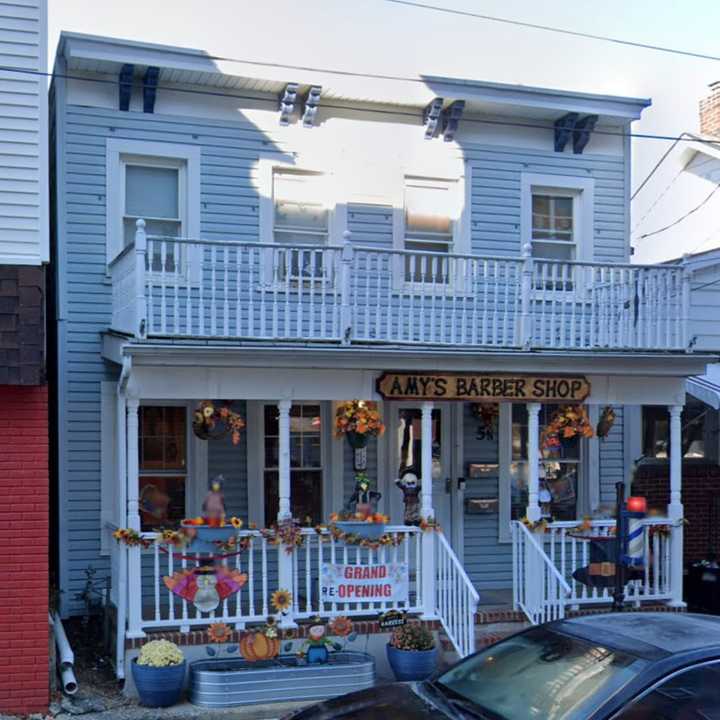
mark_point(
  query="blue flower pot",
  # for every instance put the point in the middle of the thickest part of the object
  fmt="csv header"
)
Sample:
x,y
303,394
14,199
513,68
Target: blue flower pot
x,y
159,686
204,541
412,664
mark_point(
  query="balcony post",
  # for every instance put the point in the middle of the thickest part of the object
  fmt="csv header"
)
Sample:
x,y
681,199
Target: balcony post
x,y
684,339
526,330
285,559
675,508
533,512
132,463
141,309
427,511
346,261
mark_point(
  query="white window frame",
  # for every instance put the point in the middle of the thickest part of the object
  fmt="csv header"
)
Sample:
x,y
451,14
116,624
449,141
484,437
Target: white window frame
x,y
256,457
118,153
460,209
580,189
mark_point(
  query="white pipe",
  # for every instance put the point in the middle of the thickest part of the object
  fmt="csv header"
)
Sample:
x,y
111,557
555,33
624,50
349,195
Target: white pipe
x,y
67,657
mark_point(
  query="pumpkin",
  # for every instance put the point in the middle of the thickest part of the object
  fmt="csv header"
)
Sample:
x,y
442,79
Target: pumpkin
x,y
257,646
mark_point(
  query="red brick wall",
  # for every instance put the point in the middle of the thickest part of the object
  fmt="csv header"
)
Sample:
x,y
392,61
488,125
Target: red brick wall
x,y
23,549
710,112
701,501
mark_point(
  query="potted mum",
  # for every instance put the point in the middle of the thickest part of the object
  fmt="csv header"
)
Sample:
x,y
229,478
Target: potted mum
x,y
412,652
159,673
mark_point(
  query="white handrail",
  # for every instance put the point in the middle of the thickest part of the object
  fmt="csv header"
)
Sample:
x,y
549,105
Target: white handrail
x,y
543,555
456,599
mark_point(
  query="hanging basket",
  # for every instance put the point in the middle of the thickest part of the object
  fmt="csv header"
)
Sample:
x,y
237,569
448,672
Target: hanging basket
x,y
205,539
357,440
366,530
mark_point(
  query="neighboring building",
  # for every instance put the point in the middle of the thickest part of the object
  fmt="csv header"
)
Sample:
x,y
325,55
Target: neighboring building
x,y
288,240
24,256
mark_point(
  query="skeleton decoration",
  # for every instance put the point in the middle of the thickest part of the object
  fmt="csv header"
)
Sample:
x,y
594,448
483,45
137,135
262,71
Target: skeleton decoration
x,y
205,586
410,488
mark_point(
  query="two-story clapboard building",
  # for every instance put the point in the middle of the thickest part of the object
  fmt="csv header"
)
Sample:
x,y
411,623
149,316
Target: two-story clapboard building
x,y
285,240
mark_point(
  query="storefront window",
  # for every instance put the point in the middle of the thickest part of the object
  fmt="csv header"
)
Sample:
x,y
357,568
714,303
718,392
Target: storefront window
x,y
306,472
410,445
656,431
559,470
163,465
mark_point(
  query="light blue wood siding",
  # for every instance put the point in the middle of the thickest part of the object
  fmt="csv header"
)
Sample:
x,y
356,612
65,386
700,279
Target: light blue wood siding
x,y
612,460
495,212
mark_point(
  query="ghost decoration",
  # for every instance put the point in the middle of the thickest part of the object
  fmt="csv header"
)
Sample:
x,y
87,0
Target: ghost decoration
x,y
205,586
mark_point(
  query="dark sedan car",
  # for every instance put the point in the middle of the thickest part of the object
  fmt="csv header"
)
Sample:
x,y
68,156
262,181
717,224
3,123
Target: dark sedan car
x,y
625,666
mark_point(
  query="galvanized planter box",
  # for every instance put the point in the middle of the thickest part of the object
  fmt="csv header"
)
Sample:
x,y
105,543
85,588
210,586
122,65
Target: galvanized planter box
x,y
227,683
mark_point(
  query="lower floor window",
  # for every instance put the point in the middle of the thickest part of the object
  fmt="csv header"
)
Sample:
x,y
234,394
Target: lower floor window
x,y
656,431
559,469
306,467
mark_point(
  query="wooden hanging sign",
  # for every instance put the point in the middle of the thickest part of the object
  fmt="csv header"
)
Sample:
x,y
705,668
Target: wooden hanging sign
x,y
484,387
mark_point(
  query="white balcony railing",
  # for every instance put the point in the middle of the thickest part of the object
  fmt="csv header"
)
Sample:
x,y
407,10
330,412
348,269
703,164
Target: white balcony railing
x,y
169,287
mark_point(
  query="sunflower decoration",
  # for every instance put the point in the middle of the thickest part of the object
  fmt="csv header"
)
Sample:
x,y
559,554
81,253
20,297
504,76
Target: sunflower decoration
x,y
219,633
236,522
211,421
341,626
281,600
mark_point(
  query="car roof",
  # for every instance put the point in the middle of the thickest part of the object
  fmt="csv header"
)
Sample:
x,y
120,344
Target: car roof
x,y
646,633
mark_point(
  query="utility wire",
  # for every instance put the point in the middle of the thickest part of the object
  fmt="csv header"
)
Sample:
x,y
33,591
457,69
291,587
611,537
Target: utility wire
x,y
681,218
656,166
561,31
657,200
418,115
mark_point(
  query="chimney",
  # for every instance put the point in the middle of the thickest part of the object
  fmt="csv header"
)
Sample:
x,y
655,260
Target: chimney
x,y
710,111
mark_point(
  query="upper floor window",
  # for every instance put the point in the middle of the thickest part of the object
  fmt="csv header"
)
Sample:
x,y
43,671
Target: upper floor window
x,y
300,211
429,210
159,183
553,226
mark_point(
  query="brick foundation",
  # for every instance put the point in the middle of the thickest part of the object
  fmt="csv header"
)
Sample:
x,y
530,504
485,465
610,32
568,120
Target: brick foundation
x,y
701,500
24,634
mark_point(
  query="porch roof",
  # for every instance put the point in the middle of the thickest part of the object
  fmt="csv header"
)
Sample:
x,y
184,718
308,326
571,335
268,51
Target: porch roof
x,y
706,387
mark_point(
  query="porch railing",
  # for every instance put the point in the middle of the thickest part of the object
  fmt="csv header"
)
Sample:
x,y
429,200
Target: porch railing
x,y
172,287
539,589
543,564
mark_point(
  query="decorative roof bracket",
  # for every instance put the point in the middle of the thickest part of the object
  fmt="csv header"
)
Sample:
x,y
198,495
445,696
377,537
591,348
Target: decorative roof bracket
x,y
150,82
287,103
564,127
310,106
451,119
125,82
581,133
431,117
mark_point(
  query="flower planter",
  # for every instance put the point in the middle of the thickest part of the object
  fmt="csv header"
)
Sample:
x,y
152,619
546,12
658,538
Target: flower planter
x,y
229,683
206,537
159,686
412,664
369,531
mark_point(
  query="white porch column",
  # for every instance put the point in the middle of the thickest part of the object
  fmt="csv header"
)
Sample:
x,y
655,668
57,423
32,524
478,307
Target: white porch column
x,y
533,448
675,508
429,579
285,559
133,520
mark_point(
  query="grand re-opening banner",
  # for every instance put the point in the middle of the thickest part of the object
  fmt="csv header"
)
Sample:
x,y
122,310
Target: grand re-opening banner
x,y
386,582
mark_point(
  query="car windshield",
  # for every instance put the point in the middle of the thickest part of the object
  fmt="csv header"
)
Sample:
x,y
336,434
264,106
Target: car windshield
x,y
540,675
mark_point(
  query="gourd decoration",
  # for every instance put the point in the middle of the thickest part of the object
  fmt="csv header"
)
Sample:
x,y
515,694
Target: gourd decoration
x,y
257,646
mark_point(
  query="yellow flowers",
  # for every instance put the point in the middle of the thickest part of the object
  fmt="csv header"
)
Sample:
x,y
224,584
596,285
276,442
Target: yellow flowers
x,y
160,653
341,626
236,522
219,632
358,416
281,600
567,422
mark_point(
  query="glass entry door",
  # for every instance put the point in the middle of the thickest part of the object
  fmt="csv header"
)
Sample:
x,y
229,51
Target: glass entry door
x,y
406,457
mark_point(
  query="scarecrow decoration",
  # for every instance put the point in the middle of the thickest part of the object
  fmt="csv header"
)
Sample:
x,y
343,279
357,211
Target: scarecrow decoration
x,y
316,649
410,488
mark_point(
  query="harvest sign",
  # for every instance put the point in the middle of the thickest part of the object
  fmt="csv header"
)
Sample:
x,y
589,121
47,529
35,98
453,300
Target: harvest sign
x,y
489,387
387,582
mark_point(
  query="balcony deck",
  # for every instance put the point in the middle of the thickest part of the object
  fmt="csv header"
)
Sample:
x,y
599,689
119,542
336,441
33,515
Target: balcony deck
x,y
198,289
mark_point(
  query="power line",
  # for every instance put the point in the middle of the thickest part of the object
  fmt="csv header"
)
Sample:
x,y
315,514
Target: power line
x,y
656,166
657,200
418,115
561,31
683,217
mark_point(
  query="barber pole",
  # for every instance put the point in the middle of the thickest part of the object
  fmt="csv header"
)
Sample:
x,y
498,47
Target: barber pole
x,y
634,539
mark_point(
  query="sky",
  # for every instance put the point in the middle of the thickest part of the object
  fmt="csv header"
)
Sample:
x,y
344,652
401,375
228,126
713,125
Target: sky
x,y
377,36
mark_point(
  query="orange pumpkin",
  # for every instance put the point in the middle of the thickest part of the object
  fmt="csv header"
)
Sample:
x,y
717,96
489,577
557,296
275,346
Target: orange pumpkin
x,y
257,646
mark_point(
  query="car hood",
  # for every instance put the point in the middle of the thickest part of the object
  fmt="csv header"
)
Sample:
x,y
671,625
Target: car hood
x,y
399,701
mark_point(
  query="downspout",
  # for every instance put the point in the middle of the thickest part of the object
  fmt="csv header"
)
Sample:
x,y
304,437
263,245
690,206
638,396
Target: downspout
x,y
121,463
67,657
